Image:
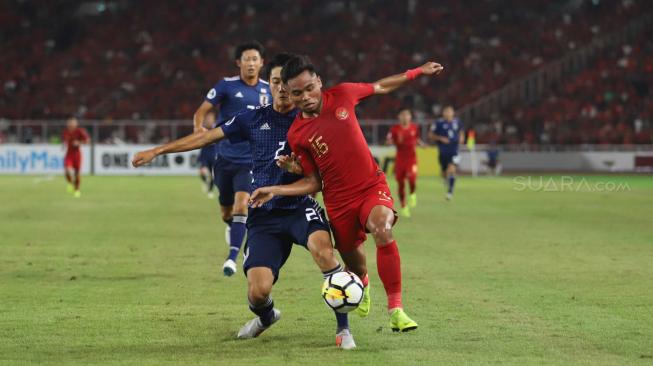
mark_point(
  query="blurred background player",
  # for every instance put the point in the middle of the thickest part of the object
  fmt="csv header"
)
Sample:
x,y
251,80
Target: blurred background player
x,y
206,160
405,136
330,146
73,137
275,226
447,132
232,169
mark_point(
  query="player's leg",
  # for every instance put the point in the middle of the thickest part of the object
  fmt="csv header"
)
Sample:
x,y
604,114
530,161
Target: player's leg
x,y
308,226
349,237
451,179
77,165
379,219
412,184
241,183
400,175
68,172
259,287
226,197
321,248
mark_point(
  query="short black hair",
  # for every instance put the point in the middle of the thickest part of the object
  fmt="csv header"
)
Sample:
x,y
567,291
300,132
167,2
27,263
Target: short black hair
x,y
280,59
253,45
295,66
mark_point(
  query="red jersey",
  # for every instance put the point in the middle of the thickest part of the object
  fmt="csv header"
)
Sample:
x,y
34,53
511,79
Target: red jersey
x,y
333,143
405,139
79,134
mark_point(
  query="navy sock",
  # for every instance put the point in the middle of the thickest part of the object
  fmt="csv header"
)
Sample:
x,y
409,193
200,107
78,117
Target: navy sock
x,y
237,234
452,181
341,318
264,311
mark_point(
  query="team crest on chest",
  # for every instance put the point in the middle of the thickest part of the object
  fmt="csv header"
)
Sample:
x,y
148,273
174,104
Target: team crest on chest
x,y
342,113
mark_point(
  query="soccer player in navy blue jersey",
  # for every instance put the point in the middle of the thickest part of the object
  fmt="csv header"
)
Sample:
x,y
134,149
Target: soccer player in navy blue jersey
x,y
448,133
233,165
206,158
276,225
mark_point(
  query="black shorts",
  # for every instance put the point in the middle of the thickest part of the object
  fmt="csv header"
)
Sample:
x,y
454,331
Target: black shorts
x,y
230,178
271,234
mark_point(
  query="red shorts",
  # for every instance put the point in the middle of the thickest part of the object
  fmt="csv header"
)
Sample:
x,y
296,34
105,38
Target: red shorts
x,y
348,221
405,170
73,160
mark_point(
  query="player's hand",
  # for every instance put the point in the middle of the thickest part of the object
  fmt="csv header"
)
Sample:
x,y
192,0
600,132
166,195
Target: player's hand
x,y
143,157
290,164
200,128
260,196
432,68
76,143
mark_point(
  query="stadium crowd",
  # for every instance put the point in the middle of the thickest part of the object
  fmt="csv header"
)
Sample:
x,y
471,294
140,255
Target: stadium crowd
x,y
156,60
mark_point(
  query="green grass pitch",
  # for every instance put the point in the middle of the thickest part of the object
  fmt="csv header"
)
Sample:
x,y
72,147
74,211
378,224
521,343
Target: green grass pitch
x,y
130,274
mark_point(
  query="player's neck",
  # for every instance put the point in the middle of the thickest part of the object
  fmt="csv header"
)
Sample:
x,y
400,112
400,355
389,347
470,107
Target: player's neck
x,y
282,108
249,81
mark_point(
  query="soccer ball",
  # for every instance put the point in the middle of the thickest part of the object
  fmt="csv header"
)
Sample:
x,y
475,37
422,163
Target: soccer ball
x,y
342,291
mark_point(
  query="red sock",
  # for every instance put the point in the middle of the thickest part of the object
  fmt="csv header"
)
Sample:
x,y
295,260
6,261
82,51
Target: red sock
x,y
402,194
389,266
77,181
412,183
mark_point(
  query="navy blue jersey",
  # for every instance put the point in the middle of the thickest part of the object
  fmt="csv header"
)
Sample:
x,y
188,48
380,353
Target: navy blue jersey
x,y
207,155
235,96
266,131
452,131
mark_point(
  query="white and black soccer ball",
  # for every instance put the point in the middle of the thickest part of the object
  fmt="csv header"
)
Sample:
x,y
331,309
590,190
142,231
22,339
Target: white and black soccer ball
x,y
342,291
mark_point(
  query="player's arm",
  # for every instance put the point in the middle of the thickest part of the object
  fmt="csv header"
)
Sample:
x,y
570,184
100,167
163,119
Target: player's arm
x,y
85,137
461,137
190,142
200,115
388,139
390,83
290,163
307,185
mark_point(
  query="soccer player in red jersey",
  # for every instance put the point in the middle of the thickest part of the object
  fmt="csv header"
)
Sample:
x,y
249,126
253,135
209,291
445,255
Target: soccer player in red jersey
x,y
334,157
405,136
73,137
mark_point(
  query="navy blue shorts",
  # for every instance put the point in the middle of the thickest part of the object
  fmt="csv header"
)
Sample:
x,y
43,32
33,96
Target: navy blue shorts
x,y
448,158
207,156
271,234
230,178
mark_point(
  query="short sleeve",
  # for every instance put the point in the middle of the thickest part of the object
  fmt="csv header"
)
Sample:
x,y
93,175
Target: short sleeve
x,y
305,158
217,94
356,91
236,129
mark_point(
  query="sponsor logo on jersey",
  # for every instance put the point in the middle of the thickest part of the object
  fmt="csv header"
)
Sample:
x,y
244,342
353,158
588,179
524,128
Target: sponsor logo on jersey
x,y
342,113
211,94
239,95
265,126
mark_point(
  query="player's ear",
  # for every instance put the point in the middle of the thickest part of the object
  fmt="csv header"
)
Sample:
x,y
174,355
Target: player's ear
x,y
238,63
319,82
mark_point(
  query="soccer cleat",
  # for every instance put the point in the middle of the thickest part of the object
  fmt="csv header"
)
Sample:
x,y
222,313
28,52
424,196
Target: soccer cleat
x,y
254,327
345,340
363,308
227,235
70,188
412,199
399,321
405,211
229,268
449,196
77,194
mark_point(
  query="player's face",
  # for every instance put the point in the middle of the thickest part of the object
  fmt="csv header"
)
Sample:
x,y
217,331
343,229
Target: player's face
x,y
72,123
405,116
447,113
306,92
250,63
279,92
